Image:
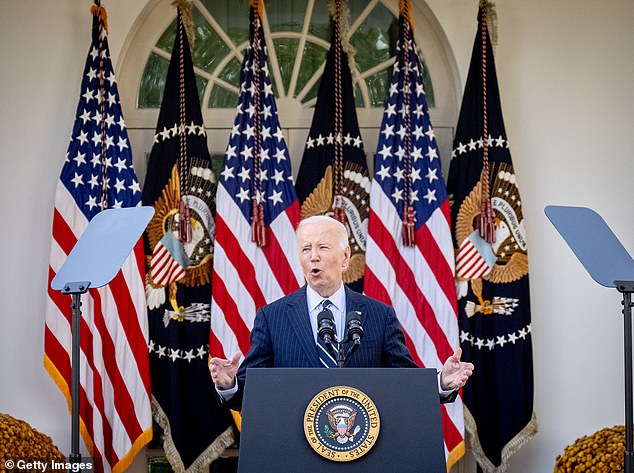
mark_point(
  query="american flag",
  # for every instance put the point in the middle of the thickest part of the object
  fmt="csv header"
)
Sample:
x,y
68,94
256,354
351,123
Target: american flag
x,y
115,412
169,261
474,258
247,275
418,279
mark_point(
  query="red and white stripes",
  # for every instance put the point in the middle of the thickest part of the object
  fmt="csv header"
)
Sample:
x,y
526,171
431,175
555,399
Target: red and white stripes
x,y
418,281
246,276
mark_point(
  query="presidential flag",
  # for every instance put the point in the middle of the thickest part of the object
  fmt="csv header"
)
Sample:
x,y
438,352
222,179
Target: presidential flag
x,y
490,243
333,177
179,242
115,412
409,257
255,259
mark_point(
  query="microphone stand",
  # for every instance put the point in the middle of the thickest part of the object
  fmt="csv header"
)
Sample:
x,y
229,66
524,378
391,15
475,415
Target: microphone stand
x,y
353,347
341,357
334,344
334,347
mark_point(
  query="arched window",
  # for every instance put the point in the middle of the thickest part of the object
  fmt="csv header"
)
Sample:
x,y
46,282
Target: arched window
x,y
297,34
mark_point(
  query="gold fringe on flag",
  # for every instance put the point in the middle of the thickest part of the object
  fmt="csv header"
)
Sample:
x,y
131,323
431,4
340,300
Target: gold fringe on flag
x,y
99,11
213,451
527,433
185,8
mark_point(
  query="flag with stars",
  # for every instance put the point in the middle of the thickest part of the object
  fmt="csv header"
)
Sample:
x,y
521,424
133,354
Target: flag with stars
x,y
115,412
255,259
178,247
492,280
333,176
410,264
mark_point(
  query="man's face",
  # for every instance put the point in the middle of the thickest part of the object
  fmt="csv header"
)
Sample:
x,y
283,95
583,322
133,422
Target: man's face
x,y
321,256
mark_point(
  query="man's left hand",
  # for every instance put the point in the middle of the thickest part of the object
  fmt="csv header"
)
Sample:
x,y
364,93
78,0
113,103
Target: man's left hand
x,y
455,373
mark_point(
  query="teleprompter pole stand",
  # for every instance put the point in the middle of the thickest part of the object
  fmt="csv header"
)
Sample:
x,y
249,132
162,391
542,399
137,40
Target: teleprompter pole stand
x,y
609,264
93,262
627,288
75,289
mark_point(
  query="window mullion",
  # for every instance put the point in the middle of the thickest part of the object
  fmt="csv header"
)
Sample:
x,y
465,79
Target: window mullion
x,y
378,68
218,29
274,67
311,82
300,48
362,16
363,87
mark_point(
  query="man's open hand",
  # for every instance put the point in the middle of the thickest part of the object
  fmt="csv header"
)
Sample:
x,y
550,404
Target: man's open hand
x,y
223,372
455,373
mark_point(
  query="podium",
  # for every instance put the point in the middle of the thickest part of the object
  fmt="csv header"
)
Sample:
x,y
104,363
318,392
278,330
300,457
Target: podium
x,y
286,427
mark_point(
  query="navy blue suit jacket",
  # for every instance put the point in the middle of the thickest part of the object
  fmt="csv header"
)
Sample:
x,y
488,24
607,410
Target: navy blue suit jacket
x,y
282,337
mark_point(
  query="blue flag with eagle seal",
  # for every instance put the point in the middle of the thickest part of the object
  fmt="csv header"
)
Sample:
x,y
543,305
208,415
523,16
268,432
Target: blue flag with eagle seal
x,y
492,273
179,239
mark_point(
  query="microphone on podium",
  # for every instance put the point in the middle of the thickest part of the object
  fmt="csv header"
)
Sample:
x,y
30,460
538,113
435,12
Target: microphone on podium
x,y
355,330
326,330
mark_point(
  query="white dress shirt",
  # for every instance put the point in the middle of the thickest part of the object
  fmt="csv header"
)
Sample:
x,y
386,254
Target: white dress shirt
x,y
337,307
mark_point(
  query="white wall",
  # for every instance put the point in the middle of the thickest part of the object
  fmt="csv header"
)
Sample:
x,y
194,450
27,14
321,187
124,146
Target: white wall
x,y
565,70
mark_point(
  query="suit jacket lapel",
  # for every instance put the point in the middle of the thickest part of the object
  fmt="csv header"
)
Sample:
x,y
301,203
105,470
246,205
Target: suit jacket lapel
x,y
300,322
354,301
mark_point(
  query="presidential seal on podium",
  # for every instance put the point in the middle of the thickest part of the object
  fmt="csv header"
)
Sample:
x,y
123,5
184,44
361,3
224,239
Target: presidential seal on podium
x,y
341,423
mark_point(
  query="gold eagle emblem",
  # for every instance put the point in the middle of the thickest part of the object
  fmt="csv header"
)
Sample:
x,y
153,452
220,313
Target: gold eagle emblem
x,y
511,259
341,424
199,250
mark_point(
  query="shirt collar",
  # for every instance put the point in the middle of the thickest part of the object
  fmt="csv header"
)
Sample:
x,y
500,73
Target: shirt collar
x,y
314,299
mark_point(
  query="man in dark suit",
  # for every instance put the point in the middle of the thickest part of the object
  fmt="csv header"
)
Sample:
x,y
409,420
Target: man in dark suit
x,y
285,332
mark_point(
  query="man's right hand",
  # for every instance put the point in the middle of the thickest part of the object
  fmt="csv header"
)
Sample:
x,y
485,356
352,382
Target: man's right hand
x,y
223,372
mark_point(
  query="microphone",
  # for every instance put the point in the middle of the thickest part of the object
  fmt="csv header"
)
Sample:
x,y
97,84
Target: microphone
x,y
326,328
355,330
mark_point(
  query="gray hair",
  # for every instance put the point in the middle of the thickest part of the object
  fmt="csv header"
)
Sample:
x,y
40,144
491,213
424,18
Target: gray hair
x,y
325,219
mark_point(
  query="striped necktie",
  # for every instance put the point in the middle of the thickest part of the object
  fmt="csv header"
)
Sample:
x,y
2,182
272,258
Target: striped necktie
x,y
324,355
